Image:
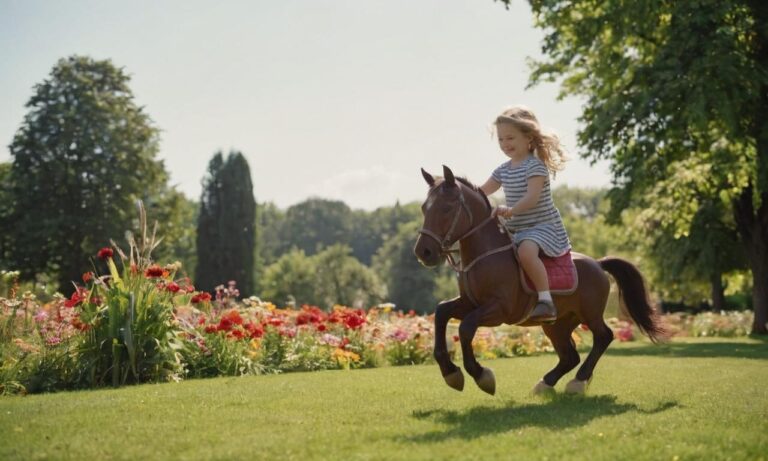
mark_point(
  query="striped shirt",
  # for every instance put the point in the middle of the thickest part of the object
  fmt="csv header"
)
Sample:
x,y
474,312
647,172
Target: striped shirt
x,y
541,223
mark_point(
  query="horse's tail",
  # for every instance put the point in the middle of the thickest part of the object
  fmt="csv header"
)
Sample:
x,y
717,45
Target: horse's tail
x,y
635,297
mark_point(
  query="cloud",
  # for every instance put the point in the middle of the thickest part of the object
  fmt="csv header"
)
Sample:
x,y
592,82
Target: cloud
x,y
367,187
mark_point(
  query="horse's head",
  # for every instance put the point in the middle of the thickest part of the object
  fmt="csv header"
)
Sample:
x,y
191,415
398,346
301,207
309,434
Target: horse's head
x,y
452,207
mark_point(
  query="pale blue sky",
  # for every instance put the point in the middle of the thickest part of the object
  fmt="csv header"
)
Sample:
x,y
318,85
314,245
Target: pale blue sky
x,y
330,98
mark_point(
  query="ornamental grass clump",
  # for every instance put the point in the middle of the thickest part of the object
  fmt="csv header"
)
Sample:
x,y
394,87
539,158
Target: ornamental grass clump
x,y
127,316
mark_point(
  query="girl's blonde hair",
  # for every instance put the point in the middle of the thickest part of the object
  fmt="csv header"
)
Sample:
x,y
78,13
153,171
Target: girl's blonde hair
x,y
546,146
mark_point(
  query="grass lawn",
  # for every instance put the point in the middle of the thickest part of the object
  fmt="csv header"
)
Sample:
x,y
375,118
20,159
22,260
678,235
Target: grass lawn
x,y
698,399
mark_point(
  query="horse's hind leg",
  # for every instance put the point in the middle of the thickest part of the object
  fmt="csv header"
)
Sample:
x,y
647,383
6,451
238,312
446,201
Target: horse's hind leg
x,y
603,336
445,311
560,336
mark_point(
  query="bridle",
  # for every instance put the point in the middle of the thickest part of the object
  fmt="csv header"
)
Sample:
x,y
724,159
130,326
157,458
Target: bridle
x,y
446,243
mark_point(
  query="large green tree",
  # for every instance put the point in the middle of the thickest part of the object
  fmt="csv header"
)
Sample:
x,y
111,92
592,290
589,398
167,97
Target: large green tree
x,y
371,229
82,156
409,285
291,279
670,85
225,225
315,224
342,279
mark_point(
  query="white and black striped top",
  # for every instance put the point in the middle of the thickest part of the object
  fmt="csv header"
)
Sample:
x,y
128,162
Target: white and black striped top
x,y
541,223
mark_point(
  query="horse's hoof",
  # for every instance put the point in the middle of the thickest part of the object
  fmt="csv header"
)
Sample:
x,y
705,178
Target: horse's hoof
x,y
455,379
576,386
542,388
487,381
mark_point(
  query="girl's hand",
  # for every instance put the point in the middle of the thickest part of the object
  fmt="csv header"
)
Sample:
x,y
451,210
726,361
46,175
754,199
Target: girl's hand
x,y
503,211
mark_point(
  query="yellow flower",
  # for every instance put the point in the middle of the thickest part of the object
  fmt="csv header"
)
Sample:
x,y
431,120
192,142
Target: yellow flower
x,y
345,357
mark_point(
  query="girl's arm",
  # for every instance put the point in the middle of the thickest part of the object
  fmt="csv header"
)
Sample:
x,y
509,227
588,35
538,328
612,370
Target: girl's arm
x,y
490,187
529,200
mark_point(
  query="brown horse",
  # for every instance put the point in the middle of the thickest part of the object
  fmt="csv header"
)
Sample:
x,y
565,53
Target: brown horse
x,y
491,292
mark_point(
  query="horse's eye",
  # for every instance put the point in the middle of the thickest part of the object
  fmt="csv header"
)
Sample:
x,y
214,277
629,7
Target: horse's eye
x,y
445,208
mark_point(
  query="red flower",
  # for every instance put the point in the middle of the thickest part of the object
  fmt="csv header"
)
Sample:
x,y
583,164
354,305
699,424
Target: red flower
x,y
201,320
275,321
233,316
237,334
344,343
455,338
105,253
96,301
173,287
201,298
354,320
87,276
322,327
134,269
80,295
211,329
153,271
624,334
256,331
224,325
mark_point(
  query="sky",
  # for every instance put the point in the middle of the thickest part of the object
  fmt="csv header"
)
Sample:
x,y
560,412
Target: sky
x,y
338,99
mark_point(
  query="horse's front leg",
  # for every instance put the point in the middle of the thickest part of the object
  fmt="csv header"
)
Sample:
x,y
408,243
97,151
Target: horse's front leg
x,y
446,310
484,315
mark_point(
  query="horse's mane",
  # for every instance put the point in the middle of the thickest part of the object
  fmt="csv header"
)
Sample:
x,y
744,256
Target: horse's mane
x,y
466,182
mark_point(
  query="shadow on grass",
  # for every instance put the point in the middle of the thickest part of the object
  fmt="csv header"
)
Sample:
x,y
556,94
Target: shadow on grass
x,y
718,349
560,412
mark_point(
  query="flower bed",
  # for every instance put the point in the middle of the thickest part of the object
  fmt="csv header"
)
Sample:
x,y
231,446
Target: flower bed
x,y
146,325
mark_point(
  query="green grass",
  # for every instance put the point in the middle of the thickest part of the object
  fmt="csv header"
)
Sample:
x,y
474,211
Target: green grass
x,y
705,399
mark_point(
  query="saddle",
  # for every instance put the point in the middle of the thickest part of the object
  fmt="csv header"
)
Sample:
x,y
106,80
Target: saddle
x,y
561,272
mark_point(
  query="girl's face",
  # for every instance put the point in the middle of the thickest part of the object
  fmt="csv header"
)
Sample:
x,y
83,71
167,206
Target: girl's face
x,y
512,141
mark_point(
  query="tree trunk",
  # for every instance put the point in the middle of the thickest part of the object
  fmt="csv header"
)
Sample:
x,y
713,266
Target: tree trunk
x,y
718,292
753,229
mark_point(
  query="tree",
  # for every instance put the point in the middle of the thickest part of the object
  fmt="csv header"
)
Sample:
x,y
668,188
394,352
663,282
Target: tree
x,y
176,215
269,224
342,279
315,224
290,279
371,229
83,155
409,284
5,214
671,85
225,226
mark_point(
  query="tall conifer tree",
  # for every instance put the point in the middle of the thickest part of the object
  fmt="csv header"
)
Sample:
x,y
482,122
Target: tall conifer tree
x,y
225,226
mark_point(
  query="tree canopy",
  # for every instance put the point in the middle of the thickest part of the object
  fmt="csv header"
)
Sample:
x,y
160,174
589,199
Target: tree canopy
x,y
83,155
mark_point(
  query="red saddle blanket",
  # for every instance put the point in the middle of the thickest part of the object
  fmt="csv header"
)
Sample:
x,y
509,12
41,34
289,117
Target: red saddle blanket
x,y
561,272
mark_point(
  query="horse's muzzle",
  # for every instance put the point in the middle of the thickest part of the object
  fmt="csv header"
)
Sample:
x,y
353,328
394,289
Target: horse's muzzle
x,y
426,254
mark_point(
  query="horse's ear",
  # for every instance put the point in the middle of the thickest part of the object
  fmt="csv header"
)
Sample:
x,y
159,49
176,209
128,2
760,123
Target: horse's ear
x,y
428,177
448,175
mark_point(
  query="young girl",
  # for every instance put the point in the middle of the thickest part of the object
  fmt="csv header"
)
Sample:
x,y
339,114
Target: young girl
x,y
533,219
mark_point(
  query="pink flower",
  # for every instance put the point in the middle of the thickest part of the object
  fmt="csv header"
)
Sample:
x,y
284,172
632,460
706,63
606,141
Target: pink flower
x,y
400,335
